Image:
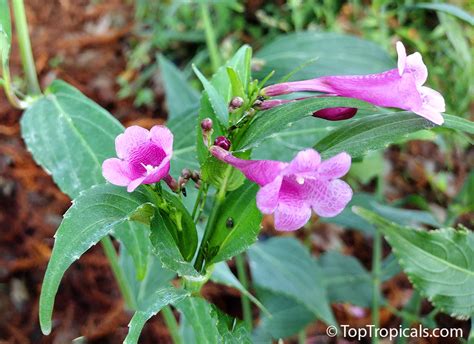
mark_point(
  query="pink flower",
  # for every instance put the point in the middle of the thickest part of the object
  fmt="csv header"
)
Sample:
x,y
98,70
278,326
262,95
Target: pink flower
x,y
291,190
144,157
400,88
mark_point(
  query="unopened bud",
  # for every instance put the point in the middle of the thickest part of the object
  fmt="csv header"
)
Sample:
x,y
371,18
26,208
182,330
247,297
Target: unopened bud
x,y
236,102
206,124
196,176
335,114
222,142
186,173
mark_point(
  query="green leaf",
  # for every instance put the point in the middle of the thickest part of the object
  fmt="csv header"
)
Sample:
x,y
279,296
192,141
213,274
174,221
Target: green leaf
x,y
446,8
240,62
288,317
366,134
458,123
217,173
269,122
70,136
135,237
166,248
218,103
405,216
199,314
346,280
223,275
181,98
206,324
284,265
439,263
93,215
240,206
181,225
156,277
333,54
161,298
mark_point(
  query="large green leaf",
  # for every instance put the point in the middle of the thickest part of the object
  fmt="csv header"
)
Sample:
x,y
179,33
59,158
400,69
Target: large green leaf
x,y
362,135
163,232
238,224
159,299
205,324
181,98
287,316
333,54
93,215
446,8
70,136
223,275
135,236
284,266
458,123
439,263
270,122
346,280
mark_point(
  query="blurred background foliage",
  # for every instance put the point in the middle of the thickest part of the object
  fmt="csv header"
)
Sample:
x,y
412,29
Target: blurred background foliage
x,y
442,33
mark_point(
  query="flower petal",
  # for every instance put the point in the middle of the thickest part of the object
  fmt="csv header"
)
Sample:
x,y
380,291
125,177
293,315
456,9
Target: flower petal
x,y
416,67
433,105
135,183
402,57
132,137
163,137
116,172
329,199
291,216
267,196
157,173
261,172
306,161
335,167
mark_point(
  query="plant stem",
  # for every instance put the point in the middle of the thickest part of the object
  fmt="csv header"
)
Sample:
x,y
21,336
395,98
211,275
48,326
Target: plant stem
x,y
211,40
246,306
302,336
172,324
24,43
119,275
376,274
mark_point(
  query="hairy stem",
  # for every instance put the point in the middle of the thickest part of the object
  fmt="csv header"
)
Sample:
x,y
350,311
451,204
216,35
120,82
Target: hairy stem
x,y
242,275
119,275
24,43
172,324
211,39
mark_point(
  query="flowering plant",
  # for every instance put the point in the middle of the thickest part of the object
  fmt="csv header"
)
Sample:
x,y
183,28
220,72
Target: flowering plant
x,y
183,198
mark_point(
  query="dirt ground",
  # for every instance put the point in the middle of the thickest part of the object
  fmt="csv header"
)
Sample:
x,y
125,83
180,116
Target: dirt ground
x,y
86,46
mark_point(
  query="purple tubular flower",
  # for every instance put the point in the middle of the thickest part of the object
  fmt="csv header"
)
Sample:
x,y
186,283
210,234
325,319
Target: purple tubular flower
x,y
291,190
400,88
143,157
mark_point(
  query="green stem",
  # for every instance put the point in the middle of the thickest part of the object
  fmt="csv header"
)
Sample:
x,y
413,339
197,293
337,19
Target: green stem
x,y
211,40
119,275
471,333
24,43
172,324
302,336
9,91
376,275
246,306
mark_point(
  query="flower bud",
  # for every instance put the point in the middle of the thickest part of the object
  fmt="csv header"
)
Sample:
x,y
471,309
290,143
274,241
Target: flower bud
x,y
236,102
186,173
222,142
206,124
336,113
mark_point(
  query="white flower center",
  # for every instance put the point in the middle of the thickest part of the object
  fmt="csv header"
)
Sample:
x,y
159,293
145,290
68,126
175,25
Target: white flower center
x,y
148,168
300,180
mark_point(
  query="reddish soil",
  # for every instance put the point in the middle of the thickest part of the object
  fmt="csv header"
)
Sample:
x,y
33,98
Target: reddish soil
x,y
89,42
